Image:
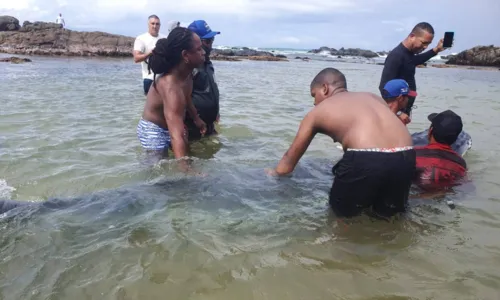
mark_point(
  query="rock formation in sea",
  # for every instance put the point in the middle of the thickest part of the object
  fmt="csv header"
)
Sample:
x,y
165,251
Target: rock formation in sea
x,y
8,23
45,38
15,60
236,54
345,52
484,56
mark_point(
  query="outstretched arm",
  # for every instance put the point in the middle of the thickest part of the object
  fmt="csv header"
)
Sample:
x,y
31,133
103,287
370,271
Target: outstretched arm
x,y
302,140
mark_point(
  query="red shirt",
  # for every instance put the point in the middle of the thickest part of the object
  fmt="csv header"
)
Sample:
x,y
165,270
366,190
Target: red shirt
x,y
438,165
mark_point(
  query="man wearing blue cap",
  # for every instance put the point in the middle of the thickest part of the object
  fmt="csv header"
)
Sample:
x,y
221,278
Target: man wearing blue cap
x,y
205,95
396,93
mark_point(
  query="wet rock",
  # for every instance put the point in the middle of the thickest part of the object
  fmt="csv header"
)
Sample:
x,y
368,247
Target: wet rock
x,y
42,38
224,57
15,60
321,49
8,23
486,56
267,58
346,52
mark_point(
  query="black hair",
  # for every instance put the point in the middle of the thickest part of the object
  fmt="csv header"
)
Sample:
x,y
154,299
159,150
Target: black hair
x,y
167,53
330,76
422,26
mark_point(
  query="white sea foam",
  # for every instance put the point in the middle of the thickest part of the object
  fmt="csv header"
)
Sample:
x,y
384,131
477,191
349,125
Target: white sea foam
x,y
5,190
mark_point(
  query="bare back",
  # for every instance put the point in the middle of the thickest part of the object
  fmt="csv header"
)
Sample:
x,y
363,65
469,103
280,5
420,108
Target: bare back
x,y
157,99
360,120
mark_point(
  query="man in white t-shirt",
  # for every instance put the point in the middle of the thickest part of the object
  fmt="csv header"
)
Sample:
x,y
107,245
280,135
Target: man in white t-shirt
x,y
143,46
60,20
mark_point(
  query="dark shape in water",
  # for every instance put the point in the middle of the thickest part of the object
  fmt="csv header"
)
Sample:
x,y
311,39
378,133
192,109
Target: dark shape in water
x,y
461,145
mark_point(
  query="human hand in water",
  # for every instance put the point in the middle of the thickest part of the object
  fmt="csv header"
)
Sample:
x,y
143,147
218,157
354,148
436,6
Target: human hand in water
x,y
404,118
439,46
271,172
201,125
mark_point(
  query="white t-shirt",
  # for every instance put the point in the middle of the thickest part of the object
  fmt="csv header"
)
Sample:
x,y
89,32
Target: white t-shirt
x,y
60,20
145,43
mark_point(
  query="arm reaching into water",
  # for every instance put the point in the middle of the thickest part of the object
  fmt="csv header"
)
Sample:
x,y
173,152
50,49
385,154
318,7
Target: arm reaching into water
x,y
174,104
307,131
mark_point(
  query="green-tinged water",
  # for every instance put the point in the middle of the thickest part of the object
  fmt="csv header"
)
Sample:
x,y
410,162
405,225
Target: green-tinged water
x,y
114,227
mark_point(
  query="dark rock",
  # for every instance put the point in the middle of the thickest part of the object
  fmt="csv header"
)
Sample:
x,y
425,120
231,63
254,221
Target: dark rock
x,y
42,38
240,52
346,52
321,49
15,60
355,52
28,26
485,56
8,23
281,56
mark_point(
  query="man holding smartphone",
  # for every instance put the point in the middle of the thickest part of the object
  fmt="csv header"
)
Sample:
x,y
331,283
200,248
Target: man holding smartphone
x,y
401,63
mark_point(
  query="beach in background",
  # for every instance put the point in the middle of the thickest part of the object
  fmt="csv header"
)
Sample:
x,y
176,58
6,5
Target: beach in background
x,y
116,227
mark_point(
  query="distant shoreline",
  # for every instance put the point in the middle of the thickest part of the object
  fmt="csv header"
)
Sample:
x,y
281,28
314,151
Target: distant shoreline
x,y
49,39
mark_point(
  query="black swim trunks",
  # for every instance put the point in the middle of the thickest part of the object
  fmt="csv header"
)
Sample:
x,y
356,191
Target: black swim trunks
x,y
376,179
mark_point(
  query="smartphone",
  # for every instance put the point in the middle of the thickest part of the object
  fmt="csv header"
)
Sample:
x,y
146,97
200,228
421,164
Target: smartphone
x,y
448,39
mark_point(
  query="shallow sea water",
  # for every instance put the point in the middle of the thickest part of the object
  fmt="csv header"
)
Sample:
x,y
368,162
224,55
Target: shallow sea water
x,y
104,224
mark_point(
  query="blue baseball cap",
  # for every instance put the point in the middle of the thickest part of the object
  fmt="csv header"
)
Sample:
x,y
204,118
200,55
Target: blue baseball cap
x,y
201,28
397,87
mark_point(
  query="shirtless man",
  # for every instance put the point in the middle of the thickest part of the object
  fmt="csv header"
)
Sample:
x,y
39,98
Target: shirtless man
x,y
379,161
162,122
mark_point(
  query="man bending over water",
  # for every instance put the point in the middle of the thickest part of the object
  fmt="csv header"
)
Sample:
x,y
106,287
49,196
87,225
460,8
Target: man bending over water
x,y
379,161
162,122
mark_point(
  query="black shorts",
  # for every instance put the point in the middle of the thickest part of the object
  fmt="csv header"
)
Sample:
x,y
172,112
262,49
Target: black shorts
x,y
146,85
379,181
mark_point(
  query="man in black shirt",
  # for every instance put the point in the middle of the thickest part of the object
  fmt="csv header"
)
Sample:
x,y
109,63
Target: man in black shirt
x,y
402,61
205,94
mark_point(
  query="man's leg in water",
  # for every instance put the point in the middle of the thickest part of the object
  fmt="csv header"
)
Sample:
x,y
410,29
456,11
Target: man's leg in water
x,y
354,185
400,169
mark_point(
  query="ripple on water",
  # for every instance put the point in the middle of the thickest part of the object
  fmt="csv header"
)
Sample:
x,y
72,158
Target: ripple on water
x,y
115,228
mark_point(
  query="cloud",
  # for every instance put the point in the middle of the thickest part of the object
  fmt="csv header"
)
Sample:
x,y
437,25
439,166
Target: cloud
x,y
375,24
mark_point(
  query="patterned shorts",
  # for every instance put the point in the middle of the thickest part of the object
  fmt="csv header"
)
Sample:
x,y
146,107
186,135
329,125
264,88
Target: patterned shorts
x,y
152,136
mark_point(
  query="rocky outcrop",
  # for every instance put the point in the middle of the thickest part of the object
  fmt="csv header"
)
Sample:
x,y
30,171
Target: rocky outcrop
x,y
15,60
236,54
28,26
240,52
8,23
44,38
345,52
484,56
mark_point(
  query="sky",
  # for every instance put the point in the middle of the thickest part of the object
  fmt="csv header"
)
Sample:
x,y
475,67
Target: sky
x,y
301,24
